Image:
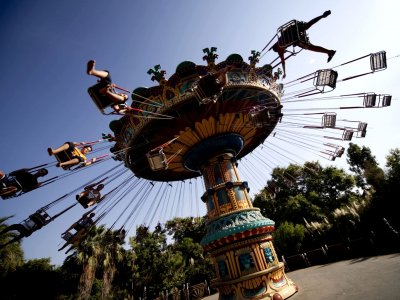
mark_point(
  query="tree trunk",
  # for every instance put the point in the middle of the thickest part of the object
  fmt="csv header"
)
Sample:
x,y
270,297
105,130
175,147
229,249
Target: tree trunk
x,y
108,277
86,281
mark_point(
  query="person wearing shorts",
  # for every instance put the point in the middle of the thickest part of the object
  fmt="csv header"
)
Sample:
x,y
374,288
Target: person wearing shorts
x,y
302,27
108,88
76,155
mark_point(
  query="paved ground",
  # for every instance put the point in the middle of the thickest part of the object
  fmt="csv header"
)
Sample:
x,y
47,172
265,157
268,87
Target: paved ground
x,y
366,278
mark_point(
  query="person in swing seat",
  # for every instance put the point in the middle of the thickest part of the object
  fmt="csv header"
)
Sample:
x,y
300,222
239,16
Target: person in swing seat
x,y
302,27
107,88
35,221
75,154
90,195
81,227
20,180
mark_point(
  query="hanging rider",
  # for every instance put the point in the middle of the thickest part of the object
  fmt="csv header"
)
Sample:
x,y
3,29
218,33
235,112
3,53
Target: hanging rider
x,y
35,221
69,155
106,87
298,30
20,180
81,227
90,195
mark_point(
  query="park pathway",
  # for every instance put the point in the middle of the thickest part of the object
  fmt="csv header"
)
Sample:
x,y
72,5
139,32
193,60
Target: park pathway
x,y
368,278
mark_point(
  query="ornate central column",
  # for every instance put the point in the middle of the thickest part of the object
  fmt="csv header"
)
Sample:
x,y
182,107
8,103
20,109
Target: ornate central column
x,y
239,237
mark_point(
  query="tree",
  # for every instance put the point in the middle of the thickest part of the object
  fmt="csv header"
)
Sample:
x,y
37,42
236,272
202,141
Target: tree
x,y
123,282
35,279
391,204
393,165
305,192
365,166
88,254
11,256
187,234
180,228
111,254
301,200
149,248
289,238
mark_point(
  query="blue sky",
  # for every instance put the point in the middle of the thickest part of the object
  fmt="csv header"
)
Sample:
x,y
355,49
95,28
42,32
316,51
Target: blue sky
x,y
46,44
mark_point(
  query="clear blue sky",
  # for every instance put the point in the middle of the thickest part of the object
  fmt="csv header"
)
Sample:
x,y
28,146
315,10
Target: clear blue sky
x,y
46,44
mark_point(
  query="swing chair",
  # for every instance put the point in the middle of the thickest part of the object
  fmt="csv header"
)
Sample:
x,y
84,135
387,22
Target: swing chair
x,y
378,61
386,100
72,239
11,193
101,100
362,130
292,33
69,154
337,151
67,236
157,158
65,156
329,120
325,79
347,135
40,219
259,116
369,100
208,88
12,188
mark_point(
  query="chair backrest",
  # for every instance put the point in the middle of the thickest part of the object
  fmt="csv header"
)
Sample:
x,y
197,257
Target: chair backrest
x,y
157,160
101,101
291,33
378,61
67,236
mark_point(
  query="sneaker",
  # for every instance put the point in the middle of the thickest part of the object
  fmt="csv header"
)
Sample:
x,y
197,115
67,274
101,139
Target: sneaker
x,y
50,151
331,54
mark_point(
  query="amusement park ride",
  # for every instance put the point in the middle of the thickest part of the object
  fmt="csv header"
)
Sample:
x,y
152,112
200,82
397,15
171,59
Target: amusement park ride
x,y
201,121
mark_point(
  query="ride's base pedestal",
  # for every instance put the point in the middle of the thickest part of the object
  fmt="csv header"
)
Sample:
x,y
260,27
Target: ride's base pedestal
x,y
268,284
239,237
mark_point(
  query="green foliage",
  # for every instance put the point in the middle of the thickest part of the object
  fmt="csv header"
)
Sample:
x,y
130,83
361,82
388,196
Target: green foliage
x,y
393,165
163,267
11,256
391,190
180,228
311,205
35,279
302,199
307,192
289,236
365,166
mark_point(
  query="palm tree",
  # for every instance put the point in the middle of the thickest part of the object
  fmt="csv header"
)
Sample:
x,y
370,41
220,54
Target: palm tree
x,y
88,254
111,255
11,256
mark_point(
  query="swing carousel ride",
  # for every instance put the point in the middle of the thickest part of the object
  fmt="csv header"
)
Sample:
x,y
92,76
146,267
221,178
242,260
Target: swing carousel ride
x,y
201,122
